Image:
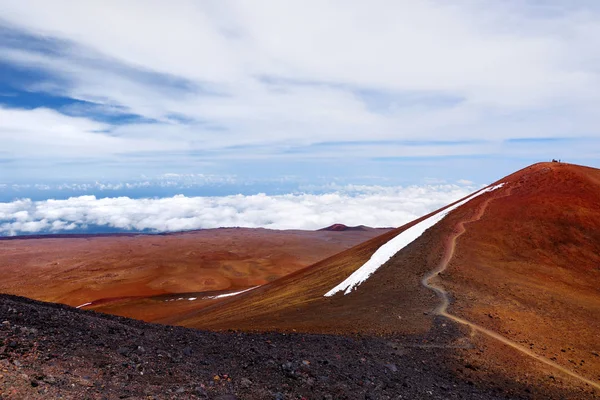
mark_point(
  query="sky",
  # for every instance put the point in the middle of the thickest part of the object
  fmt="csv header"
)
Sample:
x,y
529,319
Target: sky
x,y
154,99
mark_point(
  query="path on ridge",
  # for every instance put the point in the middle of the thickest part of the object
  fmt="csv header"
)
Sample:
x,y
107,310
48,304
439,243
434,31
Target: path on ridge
x,y
442,309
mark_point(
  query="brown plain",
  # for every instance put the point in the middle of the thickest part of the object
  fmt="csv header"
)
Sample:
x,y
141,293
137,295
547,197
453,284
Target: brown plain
x,y
134,275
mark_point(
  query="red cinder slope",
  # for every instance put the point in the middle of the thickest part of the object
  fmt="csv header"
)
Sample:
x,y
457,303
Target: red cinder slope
x,y
529,268
520,268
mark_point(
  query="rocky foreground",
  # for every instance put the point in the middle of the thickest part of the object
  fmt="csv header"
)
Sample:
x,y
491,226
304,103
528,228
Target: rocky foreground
x,y
54,351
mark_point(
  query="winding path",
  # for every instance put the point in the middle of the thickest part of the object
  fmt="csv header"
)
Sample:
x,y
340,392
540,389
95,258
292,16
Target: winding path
x,y
442,308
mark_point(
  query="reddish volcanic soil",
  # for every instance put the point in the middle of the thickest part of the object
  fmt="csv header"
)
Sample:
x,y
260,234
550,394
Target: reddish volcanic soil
x,y
529,269
135,275
526,269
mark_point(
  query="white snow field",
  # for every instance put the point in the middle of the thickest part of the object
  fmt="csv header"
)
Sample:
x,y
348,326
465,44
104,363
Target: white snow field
x,y
385,252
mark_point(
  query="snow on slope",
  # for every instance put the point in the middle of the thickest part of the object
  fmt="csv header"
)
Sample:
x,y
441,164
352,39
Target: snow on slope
x,y
385,252
219,296
229,294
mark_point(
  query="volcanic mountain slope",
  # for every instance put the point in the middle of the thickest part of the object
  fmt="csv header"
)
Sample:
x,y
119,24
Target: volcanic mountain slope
x,y
52,351
520,264
152,276
529,268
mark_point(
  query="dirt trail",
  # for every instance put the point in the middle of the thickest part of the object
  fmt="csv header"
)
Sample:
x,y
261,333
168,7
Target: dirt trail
x,y
442,308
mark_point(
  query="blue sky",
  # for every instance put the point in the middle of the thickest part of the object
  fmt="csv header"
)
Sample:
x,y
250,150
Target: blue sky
x,y
286,95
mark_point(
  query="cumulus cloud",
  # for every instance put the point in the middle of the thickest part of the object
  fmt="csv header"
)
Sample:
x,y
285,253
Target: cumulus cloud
x,y
374,206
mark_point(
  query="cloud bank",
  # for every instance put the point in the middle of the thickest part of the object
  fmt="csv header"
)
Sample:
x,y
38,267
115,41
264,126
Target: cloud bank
x,y
374,206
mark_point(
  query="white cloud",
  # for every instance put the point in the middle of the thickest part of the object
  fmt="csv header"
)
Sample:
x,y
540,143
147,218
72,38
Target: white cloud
x,y
353,205
426,45
295,73
39,132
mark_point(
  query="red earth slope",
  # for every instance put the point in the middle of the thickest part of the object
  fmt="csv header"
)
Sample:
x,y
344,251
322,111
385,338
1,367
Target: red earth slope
x,y
527,267
135,275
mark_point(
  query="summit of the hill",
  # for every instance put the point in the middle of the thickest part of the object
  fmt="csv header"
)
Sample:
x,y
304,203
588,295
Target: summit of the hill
x,y
342,228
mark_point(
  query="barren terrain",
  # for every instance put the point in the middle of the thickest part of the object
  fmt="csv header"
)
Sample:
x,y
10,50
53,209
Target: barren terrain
x,y
501,295
528,269
522,281
138,275
51,351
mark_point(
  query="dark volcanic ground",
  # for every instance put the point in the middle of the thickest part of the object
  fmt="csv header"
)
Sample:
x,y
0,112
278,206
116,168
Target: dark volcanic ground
x,y
52,351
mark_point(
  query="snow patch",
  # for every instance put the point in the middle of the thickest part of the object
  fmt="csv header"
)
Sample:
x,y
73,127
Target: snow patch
x,y
203,298
229,294
385,252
